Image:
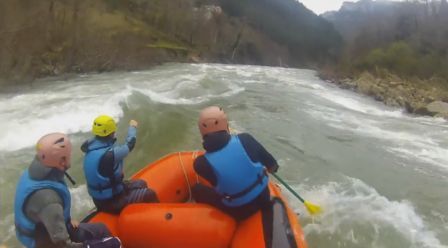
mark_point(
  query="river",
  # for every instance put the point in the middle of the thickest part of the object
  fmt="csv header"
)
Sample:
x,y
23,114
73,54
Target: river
x,y
380,175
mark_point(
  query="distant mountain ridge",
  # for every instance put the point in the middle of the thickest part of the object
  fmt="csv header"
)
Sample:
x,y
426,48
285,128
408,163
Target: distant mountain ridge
x,y
307,36
352,17
362,6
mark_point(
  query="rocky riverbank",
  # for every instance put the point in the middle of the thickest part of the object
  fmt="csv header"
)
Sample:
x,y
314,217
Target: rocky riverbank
x,y
421,97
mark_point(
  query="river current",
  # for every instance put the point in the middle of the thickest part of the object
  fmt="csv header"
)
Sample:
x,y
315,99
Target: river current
x,y
380,175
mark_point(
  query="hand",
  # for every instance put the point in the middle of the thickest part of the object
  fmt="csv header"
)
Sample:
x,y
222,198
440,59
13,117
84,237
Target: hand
x,y
133,123
75,224
273,168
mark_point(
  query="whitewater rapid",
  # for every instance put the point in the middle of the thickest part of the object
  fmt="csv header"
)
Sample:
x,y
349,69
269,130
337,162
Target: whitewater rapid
x,y
380,174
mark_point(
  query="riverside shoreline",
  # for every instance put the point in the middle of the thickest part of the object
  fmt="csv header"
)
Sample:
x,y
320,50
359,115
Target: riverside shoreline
x,y
420,97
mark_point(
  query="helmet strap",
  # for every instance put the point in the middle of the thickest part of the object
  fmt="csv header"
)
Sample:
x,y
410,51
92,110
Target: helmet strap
x,y
70,178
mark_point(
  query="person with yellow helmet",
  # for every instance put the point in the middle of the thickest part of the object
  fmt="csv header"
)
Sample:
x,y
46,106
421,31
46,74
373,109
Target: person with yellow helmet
x,y
103,168
43,201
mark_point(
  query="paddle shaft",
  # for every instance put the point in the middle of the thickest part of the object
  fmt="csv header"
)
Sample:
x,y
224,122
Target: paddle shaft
x,y
288,187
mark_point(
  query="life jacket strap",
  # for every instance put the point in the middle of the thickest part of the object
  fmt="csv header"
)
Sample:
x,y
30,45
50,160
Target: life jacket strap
x,y
259,180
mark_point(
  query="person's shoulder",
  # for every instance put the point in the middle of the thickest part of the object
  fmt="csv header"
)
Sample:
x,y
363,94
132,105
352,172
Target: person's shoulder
x,y
85,145
43,197
199,159
245,136
199,163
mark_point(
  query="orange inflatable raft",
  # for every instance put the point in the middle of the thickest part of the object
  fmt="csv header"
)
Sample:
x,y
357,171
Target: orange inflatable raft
x,y
179,222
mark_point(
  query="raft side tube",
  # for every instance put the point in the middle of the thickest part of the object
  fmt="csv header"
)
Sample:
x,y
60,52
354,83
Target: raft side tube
x,y
164,225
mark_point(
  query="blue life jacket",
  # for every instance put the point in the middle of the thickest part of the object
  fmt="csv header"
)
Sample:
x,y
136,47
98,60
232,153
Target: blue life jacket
x,y
239,180
98,186
25,227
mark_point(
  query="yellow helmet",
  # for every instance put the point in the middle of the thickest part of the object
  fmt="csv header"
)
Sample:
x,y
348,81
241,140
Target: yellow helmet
x,y
103,125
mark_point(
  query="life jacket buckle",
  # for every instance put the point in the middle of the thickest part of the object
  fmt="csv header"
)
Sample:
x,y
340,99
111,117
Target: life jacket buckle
x,y
228,197
260,178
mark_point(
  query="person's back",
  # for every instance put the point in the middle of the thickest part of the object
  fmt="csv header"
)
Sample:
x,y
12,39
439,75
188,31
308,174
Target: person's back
x,y
234,165
103,168
103,172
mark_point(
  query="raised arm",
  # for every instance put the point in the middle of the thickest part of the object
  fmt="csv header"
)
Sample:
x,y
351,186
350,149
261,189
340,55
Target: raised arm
x,y
121,151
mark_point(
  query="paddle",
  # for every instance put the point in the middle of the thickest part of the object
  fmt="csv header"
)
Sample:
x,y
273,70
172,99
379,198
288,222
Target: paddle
x,y
312,208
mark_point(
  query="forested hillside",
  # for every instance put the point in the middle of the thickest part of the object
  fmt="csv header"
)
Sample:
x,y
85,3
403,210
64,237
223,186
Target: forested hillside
x,y
408,38
396,52
55,37
307,36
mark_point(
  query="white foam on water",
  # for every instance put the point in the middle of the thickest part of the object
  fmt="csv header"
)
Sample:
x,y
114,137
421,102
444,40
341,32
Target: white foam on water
x,y
248,81
71,106
81,201
412,137
354,203
415,138
243,72
343,98
175,97
361,104
26,117
7,223
355,103
168,98
435,155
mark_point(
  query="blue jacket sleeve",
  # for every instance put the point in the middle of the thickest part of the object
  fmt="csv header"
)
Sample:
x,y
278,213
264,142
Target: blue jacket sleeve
x,y
257,153
121,151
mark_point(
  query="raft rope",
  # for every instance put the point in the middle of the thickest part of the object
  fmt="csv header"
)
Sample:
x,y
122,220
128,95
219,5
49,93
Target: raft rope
x,y
186,176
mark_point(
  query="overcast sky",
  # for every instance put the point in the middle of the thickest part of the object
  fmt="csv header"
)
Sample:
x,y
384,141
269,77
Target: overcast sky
x,y
320,6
